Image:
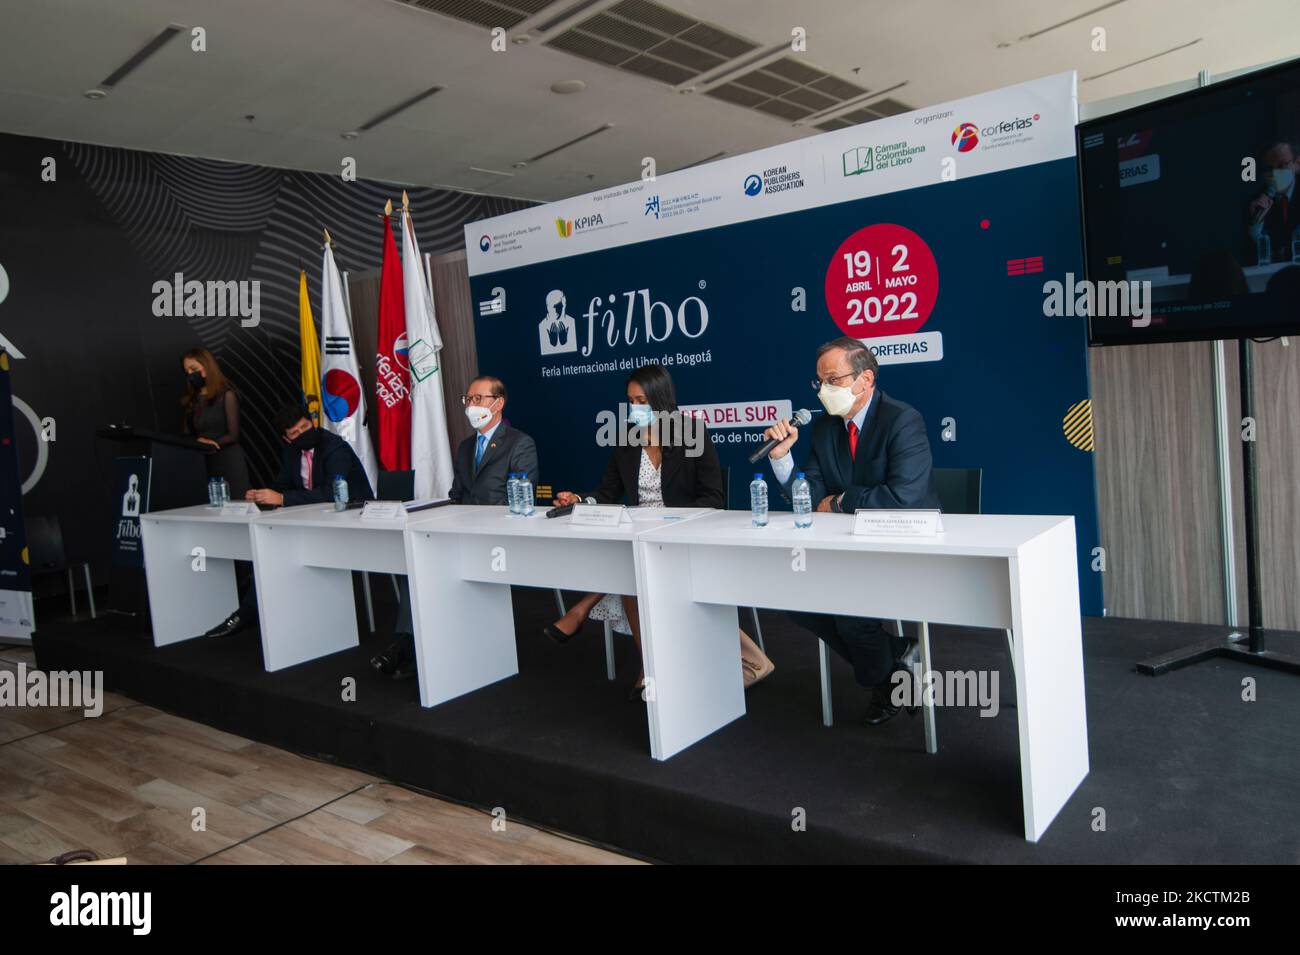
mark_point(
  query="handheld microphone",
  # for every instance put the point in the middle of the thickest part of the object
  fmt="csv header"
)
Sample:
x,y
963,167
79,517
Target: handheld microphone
x,y
798,419
1271,192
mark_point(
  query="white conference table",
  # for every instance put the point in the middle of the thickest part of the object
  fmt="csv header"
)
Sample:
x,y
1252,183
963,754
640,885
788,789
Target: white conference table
x,y
1003,571
461,567
303,559
190,592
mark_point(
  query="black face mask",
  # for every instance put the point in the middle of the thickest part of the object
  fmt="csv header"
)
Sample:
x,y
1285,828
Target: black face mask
x,y
306,441
195,379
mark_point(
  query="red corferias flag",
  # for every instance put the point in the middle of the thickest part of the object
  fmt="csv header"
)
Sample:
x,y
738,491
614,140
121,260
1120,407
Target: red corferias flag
x,y
392,379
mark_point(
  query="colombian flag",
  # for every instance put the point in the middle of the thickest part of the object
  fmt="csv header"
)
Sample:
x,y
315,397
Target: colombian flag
x,y
310,347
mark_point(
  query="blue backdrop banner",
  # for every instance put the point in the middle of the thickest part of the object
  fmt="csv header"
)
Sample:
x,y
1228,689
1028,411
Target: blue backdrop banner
x,y
932,236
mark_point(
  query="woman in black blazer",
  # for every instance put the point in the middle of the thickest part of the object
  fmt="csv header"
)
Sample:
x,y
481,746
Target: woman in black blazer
x,y
654,470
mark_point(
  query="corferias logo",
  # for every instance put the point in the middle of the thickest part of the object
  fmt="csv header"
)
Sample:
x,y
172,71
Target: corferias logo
x,y
485,243
966,137
566,227
1019,124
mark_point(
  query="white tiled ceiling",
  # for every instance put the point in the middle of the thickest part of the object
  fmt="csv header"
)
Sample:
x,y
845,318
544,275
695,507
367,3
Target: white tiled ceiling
x,y
307,71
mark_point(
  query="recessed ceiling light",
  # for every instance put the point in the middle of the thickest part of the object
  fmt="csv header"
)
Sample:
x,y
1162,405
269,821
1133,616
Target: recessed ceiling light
x,y
351,134
686,89
520,40
519,165
568,86
95,94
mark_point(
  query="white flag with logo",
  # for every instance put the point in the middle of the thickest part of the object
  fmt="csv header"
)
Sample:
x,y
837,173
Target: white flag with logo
x,y
343,403
430,443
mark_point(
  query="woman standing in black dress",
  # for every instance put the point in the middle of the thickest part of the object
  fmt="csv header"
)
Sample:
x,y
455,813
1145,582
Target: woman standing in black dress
x,y
212,416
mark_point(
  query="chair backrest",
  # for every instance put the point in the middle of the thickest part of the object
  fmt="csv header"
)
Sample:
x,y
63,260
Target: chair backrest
x,y
44,540
396,486
959,489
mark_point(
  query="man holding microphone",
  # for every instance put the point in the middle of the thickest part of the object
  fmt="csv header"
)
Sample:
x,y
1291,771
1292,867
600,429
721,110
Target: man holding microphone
x,y
867,451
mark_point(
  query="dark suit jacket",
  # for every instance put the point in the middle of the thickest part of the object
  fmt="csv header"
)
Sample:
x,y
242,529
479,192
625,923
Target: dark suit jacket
x,y
892,468
510,451
333,456
687,481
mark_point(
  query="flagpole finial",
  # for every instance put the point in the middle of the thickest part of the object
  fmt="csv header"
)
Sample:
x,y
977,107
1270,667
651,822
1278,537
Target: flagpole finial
x,y
328,240
388,207
406,201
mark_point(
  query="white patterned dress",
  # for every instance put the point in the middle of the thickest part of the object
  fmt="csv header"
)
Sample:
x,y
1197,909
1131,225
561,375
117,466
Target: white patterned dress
x,y
649,492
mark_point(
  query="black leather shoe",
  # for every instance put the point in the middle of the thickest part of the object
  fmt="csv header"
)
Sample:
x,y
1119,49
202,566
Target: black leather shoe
x,y
881,709
231,625
398,661
386,663
556,634
909,660
635,693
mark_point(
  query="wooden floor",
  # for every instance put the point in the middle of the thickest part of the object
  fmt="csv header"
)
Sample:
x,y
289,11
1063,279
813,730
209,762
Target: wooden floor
x,y
140,783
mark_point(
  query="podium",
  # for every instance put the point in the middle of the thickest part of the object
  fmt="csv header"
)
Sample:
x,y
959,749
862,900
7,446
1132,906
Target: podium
x,y
153,471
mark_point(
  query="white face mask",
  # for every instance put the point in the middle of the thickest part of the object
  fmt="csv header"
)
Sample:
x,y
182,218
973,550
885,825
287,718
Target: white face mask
x,y
1282,179
835,399
478,416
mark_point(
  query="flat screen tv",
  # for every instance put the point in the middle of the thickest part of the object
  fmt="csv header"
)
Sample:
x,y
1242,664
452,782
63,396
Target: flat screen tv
x,y
1191,214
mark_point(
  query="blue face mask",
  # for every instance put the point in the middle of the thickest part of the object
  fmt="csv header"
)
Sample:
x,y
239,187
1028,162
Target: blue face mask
x,y
640,415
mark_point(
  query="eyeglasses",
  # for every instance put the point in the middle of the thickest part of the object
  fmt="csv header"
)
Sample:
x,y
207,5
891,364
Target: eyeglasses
x,y
817,382
478,399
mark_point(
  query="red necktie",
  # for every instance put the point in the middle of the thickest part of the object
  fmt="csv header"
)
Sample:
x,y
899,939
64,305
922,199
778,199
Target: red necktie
x,y
853,440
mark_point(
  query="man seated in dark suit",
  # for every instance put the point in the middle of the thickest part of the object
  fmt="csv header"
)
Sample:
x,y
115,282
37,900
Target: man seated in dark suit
x,y
486,459
868,451
309,459
484,462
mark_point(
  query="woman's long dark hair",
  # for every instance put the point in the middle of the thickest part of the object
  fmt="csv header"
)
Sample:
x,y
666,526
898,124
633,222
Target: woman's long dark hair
x,y
657,385
215,381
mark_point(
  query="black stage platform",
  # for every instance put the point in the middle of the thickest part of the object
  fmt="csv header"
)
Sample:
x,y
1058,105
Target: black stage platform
x,y
1184,770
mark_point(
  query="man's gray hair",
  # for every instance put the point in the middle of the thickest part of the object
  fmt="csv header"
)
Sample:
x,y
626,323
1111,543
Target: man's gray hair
x,y
860,356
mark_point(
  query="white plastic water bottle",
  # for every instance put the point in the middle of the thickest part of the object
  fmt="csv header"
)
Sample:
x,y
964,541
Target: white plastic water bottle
x,y
1263,250
214,493
802,496
512,492
524,494
340,493
758,500
223,489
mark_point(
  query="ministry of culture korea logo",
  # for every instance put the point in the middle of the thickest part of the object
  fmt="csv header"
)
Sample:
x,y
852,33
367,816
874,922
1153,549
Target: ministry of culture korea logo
x,y
485,243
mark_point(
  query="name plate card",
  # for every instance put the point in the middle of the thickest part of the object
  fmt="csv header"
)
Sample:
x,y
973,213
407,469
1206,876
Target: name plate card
x,y
909,523
238,509
383,511
599,515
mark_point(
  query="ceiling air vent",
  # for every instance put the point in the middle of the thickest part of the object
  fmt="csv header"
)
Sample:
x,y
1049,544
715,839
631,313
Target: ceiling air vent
x,y
791,90
649,39
486,13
